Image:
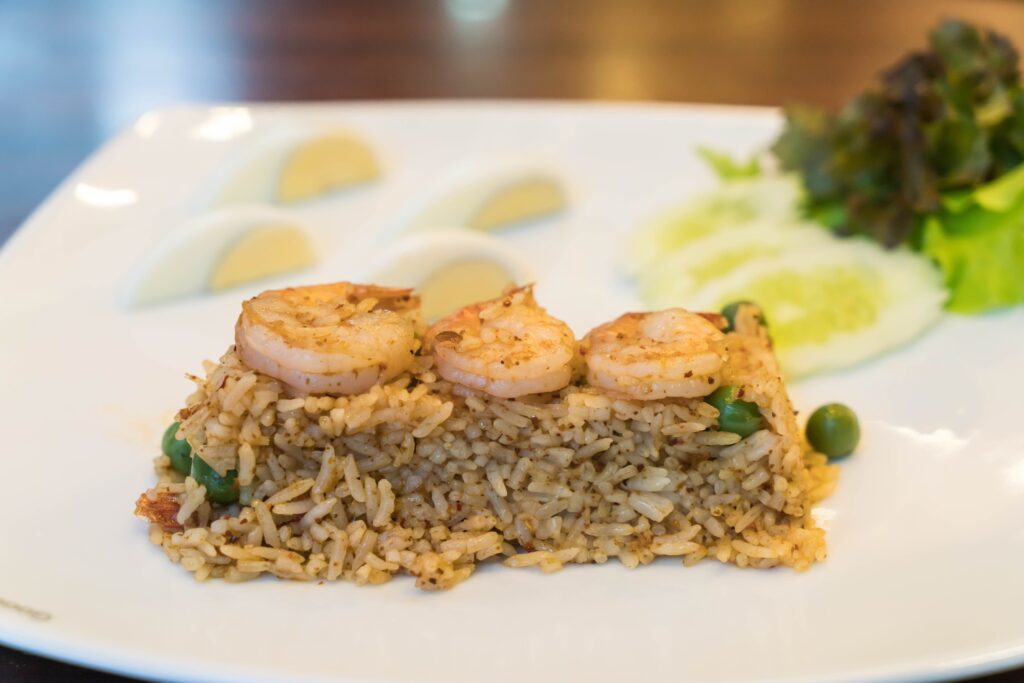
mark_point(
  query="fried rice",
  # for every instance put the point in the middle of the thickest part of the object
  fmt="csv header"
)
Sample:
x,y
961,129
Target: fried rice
x,y
428,478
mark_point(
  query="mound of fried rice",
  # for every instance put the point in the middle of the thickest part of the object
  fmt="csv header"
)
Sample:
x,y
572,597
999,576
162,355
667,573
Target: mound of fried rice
x,y
429,478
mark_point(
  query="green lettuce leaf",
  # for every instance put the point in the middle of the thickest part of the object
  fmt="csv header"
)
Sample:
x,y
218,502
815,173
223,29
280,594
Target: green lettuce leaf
x,y
979,245
727,168
1003,193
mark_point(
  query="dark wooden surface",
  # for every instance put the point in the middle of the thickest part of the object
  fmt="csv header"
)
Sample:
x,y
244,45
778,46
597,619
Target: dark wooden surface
x,y
73,73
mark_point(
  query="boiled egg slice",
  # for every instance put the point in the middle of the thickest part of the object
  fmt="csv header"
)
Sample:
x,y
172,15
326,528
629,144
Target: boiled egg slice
x,y
325,164
487,199
452,268
218,252
289,168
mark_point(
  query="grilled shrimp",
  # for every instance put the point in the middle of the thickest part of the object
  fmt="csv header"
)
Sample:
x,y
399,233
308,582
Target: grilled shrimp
x,y
650,356
507,347
340,338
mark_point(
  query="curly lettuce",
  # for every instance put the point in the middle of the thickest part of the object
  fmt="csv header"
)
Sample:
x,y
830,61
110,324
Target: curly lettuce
x,y
931,156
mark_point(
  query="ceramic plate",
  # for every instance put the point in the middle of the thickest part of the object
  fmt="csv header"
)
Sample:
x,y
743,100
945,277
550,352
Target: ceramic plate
x,y
925,531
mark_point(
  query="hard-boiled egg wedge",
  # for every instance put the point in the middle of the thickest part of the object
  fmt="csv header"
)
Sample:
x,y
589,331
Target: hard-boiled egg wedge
x,y
452,268
217,252
518,202
325,164
487,199
262,252
290,167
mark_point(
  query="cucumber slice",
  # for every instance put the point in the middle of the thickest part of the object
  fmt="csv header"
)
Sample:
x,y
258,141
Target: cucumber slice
x,y
774,199
676,276
835,305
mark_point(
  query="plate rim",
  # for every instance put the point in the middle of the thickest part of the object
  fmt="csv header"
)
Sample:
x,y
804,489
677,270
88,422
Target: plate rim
x,y
97,656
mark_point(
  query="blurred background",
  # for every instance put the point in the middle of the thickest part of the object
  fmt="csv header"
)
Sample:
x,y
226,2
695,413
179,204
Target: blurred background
x,y
74,73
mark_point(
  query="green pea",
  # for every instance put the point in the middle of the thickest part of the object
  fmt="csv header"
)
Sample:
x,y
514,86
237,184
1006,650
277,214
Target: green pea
x,y
178,450
833,430
729,312
735,415
219,489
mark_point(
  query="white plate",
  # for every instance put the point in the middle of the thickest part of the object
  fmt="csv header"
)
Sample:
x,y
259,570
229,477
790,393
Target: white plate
x,y
926,532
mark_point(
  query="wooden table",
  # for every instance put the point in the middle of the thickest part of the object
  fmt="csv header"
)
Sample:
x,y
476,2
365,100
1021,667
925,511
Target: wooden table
x,y
73,73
